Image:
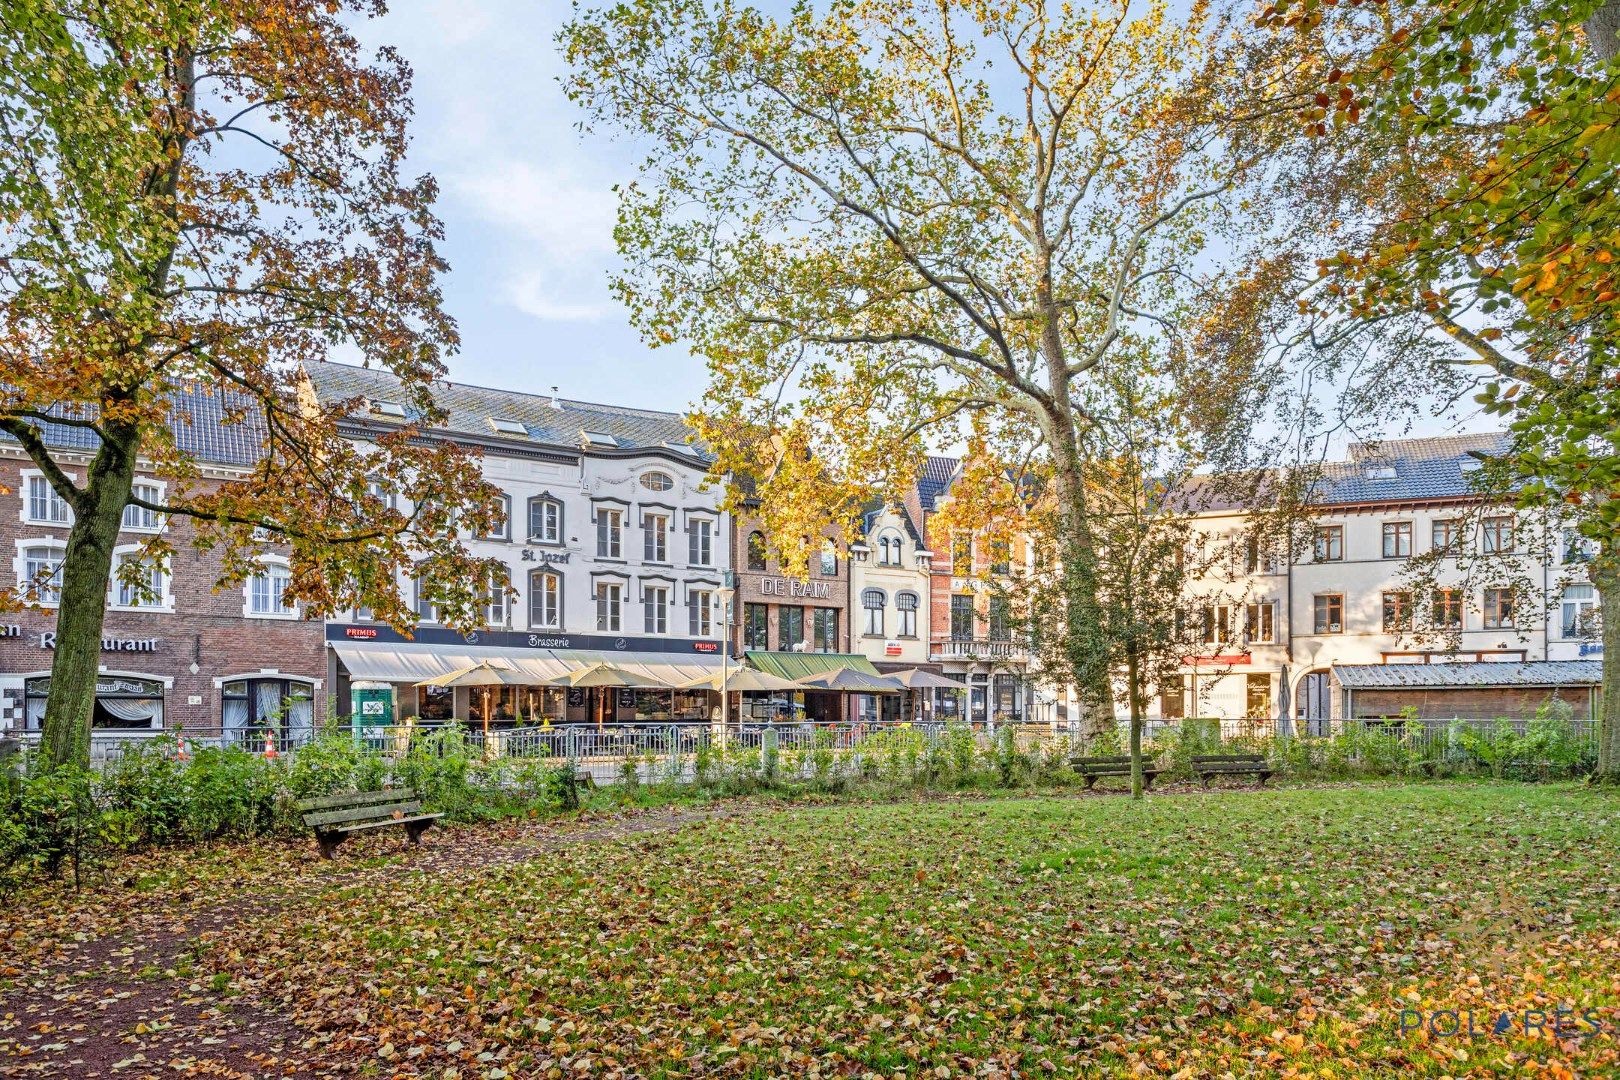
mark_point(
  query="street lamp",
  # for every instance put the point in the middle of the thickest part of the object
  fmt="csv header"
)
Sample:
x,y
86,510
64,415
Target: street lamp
x,y
723,597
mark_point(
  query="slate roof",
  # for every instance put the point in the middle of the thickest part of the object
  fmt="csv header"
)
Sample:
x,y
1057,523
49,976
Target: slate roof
x,y
197,420
938,472
1538,673
1425,468
471,408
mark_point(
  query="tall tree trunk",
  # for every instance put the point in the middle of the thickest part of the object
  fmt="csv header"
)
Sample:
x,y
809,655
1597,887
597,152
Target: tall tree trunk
x,y
86,567
1086,656
1603,29
1605,575
1133,679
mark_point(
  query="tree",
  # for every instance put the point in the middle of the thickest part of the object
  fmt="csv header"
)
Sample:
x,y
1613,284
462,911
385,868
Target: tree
x,y
882,219
1514,259
199,196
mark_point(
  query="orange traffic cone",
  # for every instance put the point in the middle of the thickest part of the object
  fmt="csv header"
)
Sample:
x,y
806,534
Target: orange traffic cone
x,y
269,747
180,753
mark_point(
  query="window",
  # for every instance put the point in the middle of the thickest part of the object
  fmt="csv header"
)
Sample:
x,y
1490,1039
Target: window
x,y
1000,619
1577,548
1173,698
1261,622
907,603
267,592
1330,613
1000,557
756,550
1496,535
505,426
655,608
1498,608
427,610
963,618
1576,608
139,518
253,708
655,538
657,481
141,585
42,574
545,600
1218,624
122,703
1330,543
379,490
888,550
1397,539
502,529
500,580
872,601
700,542
545,520
609,605
829,562
1258,697
1258,558
790,627
1445,534
1448,609
435,702
699,612
45,506
1397,612
756,626
825,629
609,533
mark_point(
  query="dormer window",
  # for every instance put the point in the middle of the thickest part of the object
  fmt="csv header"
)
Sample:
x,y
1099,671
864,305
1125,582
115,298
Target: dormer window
x,y
657,481
597,438
507,427
1382,472
392,409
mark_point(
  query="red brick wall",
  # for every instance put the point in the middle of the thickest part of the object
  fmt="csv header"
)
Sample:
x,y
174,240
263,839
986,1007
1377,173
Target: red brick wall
x,y
1488,704
748,587
206,627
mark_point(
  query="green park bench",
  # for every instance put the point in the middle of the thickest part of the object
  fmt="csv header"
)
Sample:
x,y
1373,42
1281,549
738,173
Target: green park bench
x,y
337,817
1208,766
1092,767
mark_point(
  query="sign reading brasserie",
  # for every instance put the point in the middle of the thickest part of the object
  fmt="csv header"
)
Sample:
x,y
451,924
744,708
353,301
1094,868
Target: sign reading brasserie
x,y
792,587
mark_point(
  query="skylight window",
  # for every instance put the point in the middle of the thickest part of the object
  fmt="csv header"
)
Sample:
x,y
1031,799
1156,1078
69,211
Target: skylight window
x,y
1382,472
1470,464
507,427
597,438
388,408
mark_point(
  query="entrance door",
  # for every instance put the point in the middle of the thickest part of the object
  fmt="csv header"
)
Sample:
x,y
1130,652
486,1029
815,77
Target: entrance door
x,y
976,704
1314,699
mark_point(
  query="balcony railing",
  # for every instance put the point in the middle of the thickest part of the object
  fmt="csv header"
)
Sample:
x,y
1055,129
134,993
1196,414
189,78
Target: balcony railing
x,y
977,649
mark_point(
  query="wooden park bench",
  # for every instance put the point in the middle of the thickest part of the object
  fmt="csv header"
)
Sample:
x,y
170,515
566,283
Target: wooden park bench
x,y
1207,766
336,817
1093,767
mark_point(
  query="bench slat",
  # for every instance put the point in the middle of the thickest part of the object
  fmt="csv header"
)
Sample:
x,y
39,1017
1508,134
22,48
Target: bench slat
x,y
359,826
1199,759
1114,770
361,813
1233,766
355,798
1078,761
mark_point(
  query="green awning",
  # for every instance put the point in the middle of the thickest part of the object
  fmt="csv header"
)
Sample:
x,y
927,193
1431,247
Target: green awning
x,y
797,665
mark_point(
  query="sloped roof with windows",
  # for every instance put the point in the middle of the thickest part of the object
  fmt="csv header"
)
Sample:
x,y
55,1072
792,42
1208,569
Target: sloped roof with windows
x,y
1405,469
567,423
213,426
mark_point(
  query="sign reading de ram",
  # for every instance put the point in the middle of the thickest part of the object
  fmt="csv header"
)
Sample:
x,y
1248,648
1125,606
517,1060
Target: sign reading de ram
x,y
792,587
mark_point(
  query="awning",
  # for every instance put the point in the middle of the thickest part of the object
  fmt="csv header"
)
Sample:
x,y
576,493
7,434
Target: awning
x,y
797,666
415,662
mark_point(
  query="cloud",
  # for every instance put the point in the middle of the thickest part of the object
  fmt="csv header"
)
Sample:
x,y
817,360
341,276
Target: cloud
x,y
561,295
566,216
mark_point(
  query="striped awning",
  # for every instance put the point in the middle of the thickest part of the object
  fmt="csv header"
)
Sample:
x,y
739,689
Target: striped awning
x,y
797,666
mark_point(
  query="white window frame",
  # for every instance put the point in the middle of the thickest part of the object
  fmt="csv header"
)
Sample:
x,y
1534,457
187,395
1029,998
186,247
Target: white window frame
x,y
20,567
165,601
702,602
658,596
269,563
609,532
503,533
703,528
535,577
161,490
651,524
1578,606
497,604
906,627
546,502
610,619
874,622
25,487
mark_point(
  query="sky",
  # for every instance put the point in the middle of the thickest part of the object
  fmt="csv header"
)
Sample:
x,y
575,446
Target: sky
x,y
528,209
527,205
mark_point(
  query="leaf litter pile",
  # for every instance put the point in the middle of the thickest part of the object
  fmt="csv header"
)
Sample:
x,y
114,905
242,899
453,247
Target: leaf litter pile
x,y
1431,930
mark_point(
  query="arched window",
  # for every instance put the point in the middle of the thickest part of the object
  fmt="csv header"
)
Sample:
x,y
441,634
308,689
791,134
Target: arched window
x,y
545,600
907,603
756,550
872,600
139,582
829,561
267,590
889,550
545,520
39,570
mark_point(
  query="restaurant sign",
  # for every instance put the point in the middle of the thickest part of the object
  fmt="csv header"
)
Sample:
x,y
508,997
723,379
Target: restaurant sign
x,y
47,640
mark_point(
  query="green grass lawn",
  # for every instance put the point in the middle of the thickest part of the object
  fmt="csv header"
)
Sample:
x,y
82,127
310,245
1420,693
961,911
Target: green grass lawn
x,y
1253,932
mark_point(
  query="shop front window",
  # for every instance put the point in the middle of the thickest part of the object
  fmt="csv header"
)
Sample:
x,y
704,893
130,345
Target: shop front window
x,y
123,703
1009,699
756,626
790,628
825,638
252,707
435,703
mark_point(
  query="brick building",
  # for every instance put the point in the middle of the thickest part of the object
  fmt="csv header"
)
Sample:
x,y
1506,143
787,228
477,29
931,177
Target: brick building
x,y
193,656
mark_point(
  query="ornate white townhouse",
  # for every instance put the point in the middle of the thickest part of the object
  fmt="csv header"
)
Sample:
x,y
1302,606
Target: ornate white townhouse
x,y
613,550
1329,634
890,579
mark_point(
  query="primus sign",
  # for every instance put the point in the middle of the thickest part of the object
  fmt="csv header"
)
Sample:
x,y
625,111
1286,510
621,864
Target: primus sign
x,y
791,587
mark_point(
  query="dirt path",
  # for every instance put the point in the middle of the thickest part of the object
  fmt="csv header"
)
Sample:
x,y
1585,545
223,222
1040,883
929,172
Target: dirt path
x,y
126,1004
